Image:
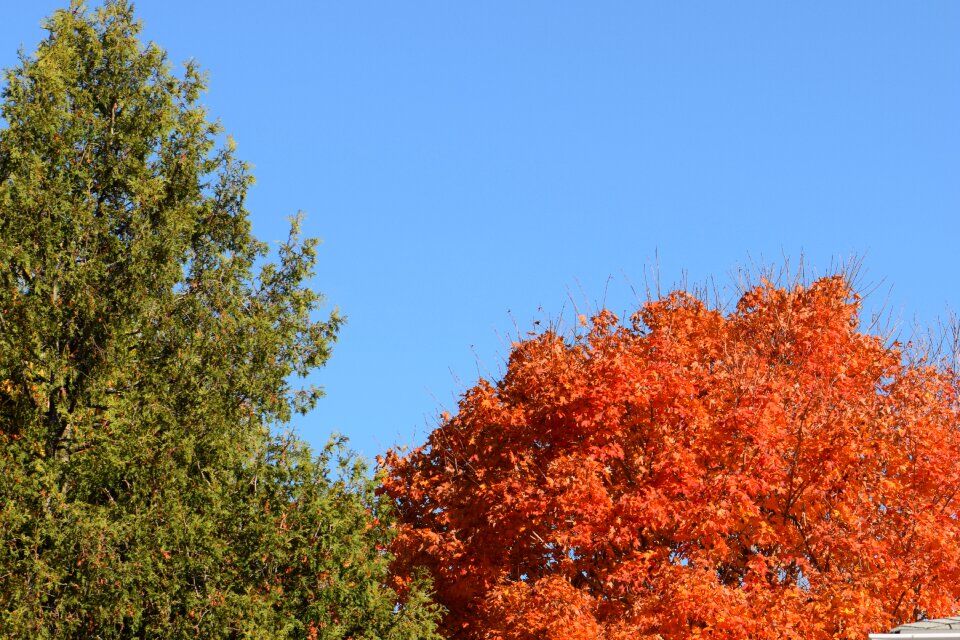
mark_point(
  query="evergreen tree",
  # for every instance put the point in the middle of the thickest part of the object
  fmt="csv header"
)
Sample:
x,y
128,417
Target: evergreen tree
x,y
145,361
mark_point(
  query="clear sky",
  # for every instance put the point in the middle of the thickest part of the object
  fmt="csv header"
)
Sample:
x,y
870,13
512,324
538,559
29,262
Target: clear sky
x,y
474,167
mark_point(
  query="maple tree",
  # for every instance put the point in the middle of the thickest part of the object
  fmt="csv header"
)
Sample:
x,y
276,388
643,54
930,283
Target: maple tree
x,y
770,471
148,344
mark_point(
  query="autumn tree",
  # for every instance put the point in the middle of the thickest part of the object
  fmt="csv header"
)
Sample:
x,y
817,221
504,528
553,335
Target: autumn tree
x,y
770,471
147,345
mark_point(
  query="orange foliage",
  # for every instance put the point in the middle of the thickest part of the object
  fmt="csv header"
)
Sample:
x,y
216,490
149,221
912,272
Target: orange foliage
x,y
772,472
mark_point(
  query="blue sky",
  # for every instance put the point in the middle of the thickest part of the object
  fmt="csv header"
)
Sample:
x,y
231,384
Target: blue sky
x,y
475,167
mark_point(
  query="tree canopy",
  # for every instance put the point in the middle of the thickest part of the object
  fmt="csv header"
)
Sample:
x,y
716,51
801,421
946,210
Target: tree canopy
x,y
147,346
770,471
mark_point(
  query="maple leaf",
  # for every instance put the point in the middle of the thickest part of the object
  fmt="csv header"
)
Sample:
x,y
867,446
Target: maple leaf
x,y
767,472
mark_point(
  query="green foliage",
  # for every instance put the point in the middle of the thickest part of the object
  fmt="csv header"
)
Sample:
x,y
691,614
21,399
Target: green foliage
x,y
144,358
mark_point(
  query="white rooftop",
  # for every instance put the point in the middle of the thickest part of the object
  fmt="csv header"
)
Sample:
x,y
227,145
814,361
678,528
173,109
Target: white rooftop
x,y
926,629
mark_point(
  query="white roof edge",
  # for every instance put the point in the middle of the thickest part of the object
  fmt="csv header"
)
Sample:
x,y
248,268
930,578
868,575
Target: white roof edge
x,y
919,636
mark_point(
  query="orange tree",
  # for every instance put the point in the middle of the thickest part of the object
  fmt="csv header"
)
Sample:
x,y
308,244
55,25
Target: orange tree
x,y
767,472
